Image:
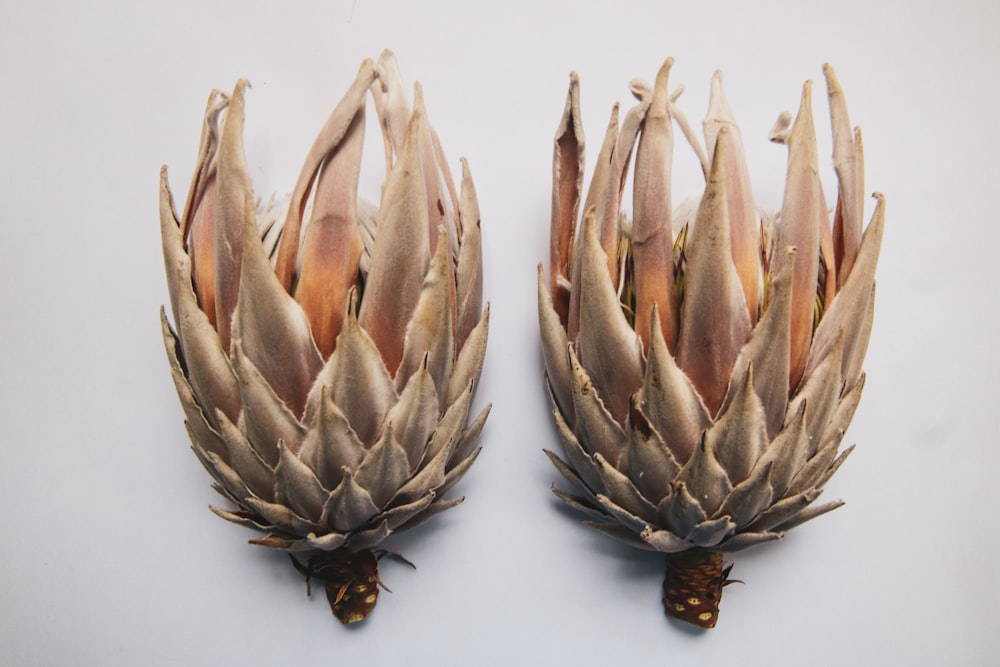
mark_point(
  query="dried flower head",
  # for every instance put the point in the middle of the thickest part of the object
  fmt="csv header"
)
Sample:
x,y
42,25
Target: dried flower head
x,y
704,363
326,351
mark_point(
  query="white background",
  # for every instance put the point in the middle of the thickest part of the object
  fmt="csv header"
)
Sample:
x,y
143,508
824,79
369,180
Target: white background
x,y
108,554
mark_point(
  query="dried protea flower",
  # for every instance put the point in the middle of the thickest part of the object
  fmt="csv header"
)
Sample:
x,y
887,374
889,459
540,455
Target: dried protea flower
x,y
703,370
326,351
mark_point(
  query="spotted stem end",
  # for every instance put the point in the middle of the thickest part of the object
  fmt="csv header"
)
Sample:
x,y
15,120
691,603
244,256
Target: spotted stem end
x,y
692,587
351,581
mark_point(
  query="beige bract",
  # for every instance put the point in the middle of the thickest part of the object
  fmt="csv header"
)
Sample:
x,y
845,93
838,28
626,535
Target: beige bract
x,y
326,351
703,369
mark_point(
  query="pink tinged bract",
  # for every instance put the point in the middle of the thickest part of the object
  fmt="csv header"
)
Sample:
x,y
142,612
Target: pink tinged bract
x,y
652,233
744,222
714,319
233,203
398,265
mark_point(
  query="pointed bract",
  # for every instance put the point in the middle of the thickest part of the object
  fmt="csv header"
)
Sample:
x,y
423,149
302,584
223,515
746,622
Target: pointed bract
x,y
714,320
567,188
197,222
233,204
652,235
272,328
803,214
469,272
331,444
850,180
607,345
401,258
744,222
430,334
206,365
360,383
331,168
671,402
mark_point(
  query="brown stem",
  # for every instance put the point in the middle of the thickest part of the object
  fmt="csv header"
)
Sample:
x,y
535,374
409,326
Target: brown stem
x,y
351,581
692,587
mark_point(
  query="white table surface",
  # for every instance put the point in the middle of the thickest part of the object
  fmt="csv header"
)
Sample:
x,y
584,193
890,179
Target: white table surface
x,y
108,554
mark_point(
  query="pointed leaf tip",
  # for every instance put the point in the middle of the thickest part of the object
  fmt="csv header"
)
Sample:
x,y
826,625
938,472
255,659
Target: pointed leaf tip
x,y
652,235
714,319
402,253
233,202
567,186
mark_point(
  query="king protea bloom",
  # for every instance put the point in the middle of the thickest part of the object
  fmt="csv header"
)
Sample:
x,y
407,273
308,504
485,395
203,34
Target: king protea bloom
x,y
325,351
704,365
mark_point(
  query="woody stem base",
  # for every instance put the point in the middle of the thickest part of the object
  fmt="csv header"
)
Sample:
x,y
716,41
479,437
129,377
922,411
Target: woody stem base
x,y
692,587
350,578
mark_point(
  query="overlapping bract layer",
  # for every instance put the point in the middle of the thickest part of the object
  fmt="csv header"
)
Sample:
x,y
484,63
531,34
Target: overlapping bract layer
x,y
326,355
703,371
